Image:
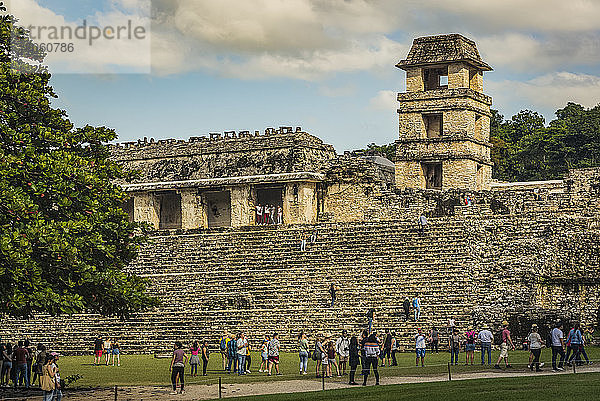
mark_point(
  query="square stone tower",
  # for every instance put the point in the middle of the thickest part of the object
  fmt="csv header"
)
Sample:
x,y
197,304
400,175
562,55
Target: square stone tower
x,y
444,117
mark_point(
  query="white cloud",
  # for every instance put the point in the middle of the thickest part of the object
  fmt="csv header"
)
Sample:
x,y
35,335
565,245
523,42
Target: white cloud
x,y
552,91
384,100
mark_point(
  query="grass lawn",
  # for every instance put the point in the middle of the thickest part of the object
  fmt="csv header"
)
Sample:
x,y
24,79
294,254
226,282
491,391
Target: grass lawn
x,y
147,370
585,386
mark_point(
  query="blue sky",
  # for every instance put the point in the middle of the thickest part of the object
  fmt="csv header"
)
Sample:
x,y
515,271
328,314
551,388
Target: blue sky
x,y
325,65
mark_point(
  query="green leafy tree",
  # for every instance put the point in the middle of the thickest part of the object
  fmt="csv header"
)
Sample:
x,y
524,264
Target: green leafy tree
x,y
388,151
64,238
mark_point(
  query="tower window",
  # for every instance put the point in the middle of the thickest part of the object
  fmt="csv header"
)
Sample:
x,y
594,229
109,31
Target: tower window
x,y
433,175
433,125
435,78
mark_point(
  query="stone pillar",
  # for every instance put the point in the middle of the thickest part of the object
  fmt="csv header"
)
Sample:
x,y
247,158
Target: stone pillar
x,y
193,211
146,208
300,203
242,207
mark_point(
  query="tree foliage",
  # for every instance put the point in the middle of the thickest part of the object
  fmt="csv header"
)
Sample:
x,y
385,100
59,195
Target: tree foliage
x,y
526,149
388,151
64,238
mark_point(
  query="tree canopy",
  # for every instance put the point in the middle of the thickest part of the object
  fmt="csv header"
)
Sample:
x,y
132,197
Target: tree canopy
x,y
64,237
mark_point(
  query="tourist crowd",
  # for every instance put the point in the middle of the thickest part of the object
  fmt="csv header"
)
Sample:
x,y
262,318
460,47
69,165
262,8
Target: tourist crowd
x,y
269,214
20,362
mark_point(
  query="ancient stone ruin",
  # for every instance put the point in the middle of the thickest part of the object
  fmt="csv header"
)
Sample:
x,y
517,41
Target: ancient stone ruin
x,y
492,251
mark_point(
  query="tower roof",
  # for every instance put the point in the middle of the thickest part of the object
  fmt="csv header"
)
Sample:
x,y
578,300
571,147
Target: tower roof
x,y
443,49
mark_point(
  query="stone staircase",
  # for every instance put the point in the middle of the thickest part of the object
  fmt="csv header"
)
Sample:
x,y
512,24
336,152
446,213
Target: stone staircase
x,y
258,280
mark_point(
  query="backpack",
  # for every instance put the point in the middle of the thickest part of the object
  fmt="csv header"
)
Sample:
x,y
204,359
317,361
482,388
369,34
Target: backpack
x,y
498,337
46,381
549,339
317,354
223,344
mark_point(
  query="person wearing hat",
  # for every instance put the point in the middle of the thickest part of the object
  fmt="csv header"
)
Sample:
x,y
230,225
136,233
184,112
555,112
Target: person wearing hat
x,y
506,343
57,394
534,341
342,347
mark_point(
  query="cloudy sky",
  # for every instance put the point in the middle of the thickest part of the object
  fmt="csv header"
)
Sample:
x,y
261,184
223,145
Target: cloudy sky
x,y
325,65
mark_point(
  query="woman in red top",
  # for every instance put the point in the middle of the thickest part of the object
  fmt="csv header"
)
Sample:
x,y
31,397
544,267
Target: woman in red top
x,y
194,359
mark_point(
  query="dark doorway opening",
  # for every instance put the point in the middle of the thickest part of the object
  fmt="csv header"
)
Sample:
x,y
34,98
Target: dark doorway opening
x,y
128,208
269,205
218,208
433,175
434,124
170,210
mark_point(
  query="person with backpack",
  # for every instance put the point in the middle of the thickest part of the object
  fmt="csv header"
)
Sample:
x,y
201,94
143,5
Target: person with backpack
x,y
232,353
574,342
504,346
47,382
371,347
342,348
40,361
223,348
303,353
470,335
454,347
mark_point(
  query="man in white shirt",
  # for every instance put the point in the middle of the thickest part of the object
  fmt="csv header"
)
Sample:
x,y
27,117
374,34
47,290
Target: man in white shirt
x,y
420,347
342,347
486,338
242,350
558,347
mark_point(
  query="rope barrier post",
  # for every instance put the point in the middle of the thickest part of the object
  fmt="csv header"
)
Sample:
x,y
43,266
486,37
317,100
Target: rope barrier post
x,y
449,373
220,395
323,381
116,392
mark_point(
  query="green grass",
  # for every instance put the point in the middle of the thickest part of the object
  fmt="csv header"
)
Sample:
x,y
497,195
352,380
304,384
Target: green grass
x,y
147,370
585,386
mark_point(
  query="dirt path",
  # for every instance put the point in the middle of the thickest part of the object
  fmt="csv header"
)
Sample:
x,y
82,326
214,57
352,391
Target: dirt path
x,y
203,392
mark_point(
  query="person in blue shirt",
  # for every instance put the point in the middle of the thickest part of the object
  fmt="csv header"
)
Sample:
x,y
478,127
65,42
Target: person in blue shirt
x,y
417,308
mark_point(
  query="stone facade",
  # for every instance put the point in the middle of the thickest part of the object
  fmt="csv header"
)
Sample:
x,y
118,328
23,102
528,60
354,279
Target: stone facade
x,y
526,252
444,118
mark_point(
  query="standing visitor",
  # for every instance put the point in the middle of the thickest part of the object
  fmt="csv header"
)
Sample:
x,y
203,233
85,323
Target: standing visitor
x,y
454,346
406,306
371,348
7,355
273,350
342,347
535,346
325,356
20,356
242,348
205,355
232,353
318,355
506,344
394,349
47,378
57,393
30,358
223,345
470,335
558,347
435,340
370,316
303,244
98,348
279,215
177,367
420,347
264,355
331,358
303,353
107,349
353,359
194,359
248,358
417,307
486,337
586,339
40,361
258,217
387,348
451,326
116,353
